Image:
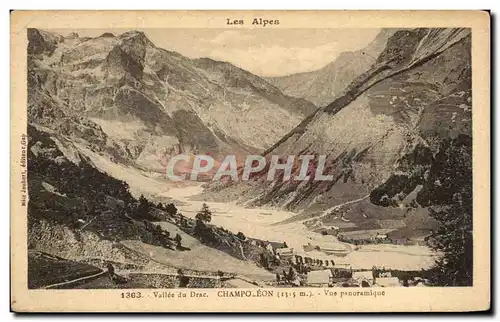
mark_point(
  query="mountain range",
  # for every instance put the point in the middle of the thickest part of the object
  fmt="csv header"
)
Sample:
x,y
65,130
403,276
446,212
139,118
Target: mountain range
x,y
322,85
139,104
388,117
387,136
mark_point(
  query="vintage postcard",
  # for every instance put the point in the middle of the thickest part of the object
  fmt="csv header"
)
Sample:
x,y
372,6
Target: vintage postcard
x,y
239,161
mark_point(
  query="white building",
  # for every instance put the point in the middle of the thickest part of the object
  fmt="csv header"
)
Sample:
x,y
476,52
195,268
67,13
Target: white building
x,y
385,274
387,281
284,252
319,278
366,276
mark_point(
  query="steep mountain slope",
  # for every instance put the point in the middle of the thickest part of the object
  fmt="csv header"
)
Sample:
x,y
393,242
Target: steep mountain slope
x,y
321,86
140,104
80,214
386,138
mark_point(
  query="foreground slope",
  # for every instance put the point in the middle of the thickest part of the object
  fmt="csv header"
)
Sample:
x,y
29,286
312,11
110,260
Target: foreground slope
x,y
80,219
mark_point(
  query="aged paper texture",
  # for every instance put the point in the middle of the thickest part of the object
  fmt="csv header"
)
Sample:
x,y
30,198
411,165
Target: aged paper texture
x,y
238,161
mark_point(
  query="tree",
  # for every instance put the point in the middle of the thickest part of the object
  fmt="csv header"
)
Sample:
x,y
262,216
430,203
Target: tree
x,y
159,206
291,275
264,261
374,273
111,270
241,236
454,239
405,279
277,277
178,239
183,280
204,215
449,192
171,209
143,208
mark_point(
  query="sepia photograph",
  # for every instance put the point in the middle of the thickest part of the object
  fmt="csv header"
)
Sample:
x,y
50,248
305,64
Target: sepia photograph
x,y
253,158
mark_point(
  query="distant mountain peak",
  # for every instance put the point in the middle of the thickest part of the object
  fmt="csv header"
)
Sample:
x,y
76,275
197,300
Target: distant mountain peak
x,y
133,33
107,35
136,35
72,35
42,42
321,86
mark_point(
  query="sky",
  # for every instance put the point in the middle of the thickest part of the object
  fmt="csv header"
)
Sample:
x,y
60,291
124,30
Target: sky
x,y
262,51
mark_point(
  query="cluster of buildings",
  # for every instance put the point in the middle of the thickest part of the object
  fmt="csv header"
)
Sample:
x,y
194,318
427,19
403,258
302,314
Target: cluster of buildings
x,y
328,278
337,273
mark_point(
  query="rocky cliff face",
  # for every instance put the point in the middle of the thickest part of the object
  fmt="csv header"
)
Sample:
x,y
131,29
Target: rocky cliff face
x,y
322,86
384,136
138,103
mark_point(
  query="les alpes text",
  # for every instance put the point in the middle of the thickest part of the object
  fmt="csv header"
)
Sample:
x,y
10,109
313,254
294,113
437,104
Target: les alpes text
x,y
255,21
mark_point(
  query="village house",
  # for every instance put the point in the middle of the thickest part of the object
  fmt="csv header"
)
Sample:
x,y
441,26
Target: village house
x,y
387,281
341,270
385,274
341,264
285,253
320,278
364,278
419,282
273,246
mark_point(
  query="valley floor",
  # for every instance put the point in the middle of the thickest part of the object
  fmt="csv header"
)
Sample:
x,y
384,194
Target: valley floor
x,y
258,223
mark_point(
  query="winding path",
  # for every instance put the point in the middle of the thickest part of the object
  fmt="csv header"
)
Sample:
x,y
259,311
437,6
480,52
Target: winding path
x,y
336,207
84,278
